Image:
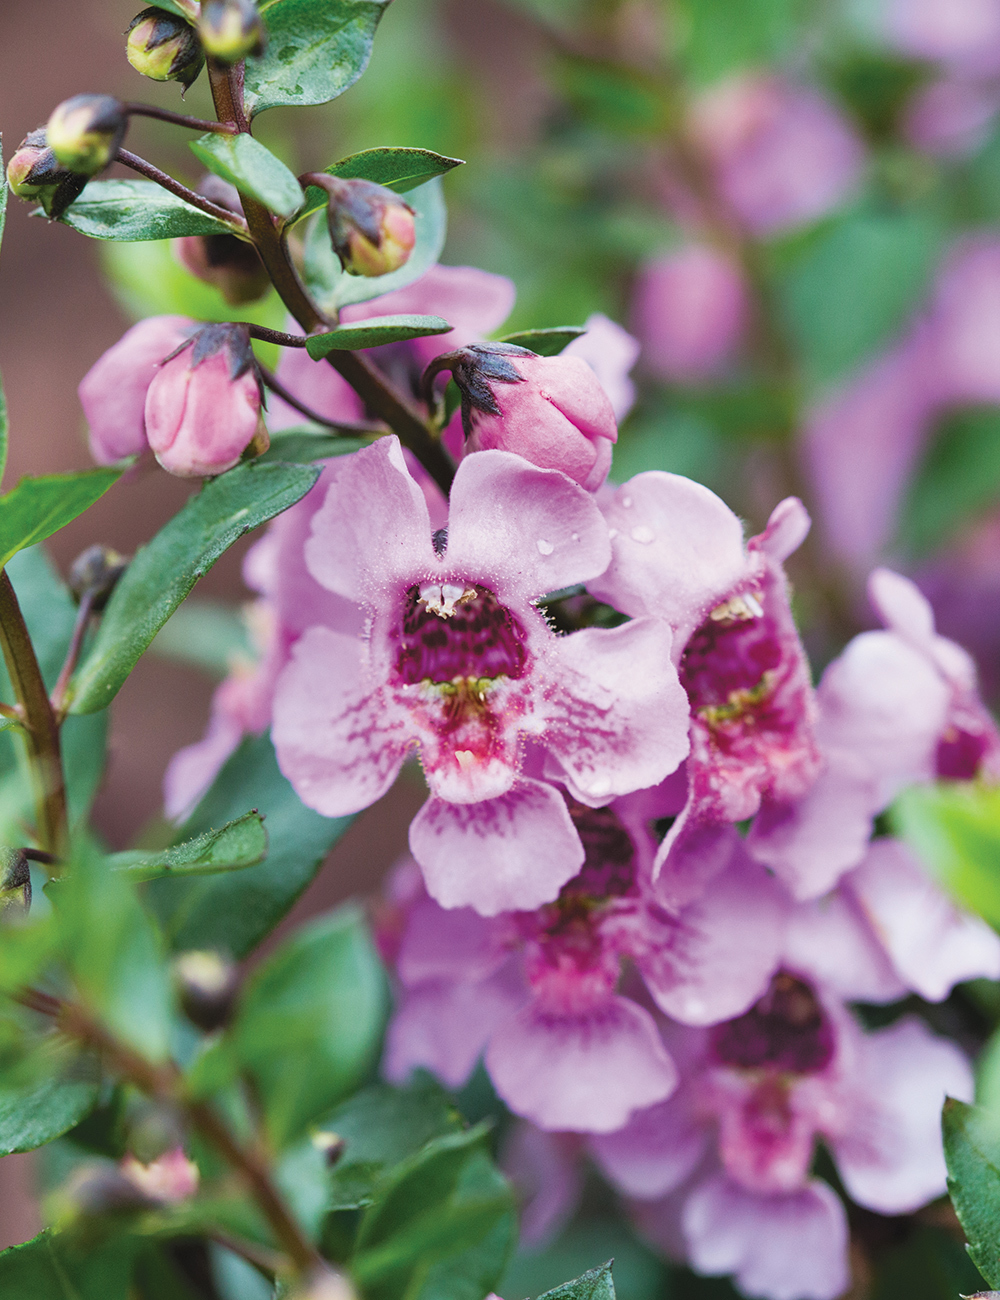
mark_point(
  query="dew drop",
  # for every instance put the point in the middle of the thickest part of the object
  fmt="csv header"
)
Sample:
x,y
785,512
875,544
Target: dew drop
x,y
627,502
575,536
544,547
643,533
612,533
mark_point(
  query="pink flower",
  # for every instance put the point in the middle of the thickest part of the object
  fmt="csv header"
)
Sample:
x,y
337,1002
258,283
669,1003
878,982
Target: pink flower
x,y
113,391
458,661
964,34
550,410
689,310
678,554
611,352
951,116
965,318
782,153
537,990
725,1162
203,403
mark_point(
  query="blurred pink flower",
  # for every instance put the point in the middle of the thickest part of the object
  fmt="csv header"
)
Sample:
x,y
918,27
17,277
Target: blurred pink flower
x,y
689,310
951,116
782,154
963,34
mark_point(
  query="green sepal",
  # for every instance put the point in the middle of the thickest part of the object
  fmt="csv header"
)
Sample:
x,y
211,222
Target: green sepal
x,y
237,845
166,568
373,332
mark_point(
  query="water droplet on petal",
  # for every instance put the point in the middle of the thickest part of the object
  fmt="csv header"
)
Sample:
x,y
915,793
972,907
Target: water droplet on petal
x,y
627,502
575,536
612,534
643,533
544,547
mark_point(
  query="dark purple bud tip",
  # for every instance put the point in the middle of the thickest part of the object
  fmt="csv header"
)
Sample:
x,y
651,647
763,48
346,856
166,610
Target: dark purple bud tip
x,y
95,572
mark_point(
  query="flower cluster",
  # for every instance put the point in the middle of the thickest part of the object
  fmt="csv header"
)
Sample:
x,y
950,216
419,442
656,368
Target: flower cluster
x,y
648,881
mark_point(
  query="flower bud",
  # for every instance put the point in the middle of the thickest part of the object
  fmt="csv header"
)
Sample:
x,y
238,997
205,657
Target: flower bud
x,y
324,1284
332,1145
85,132
35,173
95,572
169,1179
206,984
15,881
550,410
372,229
231,29
203,406
96,1191
164,47
229,263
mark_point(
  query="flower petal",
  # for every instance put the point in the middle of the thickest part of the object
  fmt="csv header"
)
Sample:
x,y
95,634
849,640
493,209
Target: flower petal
x,y
513,853
655,1150
586,1072
338,742
523,529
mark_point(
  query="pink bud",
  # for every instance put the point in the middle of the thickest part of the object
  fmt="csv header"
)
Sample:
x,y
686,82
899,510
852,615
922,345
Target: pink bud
x,y
556,414
782,153
203,405
113,391
689,311
170,1178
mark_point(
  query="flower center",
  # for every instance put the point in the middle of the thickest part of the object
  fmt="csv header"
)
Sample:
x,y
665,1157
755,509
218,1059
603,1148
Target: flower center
x,y
785,1031
453,633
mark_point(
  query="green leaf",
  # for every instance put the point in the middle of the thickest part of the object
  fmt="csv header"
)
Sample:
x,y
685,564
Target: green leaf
x,y
548,342
306,444
930,1264
334,288
43,1110
45,1269
114,953
310,1021
316,49
954,828
252,168
724,35
640,1274
131,210
846,289
165,569
39,507
239,844
381,1126
595,1284
958,479
234,912
972,1154
207,634
397,169
373,332
444,1201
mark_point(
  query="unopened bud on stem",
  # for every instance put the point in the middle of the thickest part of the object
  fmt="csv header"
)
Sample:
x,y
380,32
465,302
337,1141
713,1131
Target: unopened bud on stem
x,y
233,265
372,229
164,47
230,30
86,131
95,572
324,1284
207,984
34,172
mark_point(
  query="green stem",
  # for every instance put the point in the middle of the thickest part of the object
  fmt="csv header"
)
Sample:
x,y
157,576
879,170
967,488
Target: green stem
x,y
196,200
41,727
381,397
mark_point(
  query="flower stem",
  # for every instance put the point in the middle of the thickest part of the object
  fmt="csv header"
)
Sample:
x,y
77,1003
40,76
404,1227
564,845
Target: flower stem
x,y
144,168
345,427
58,696
380,396
179,119
41,726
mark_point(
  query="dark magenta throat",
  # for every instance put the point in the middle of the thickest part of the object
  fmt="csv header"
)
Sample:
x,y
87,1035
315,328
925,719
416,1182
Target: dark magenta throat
x,y
785,1031
478,639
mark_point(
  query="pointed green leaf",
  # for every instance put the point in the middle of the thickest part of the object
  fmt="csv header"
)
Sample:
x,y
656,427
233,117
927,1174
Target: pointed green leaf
x,y
310,1021
397,169
548,342
132,210
32,1115
239,844
252,168
595,1284
235,911
373,332
39,507
334,288
316,49
44,1269
302,445
165,569
972,1154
